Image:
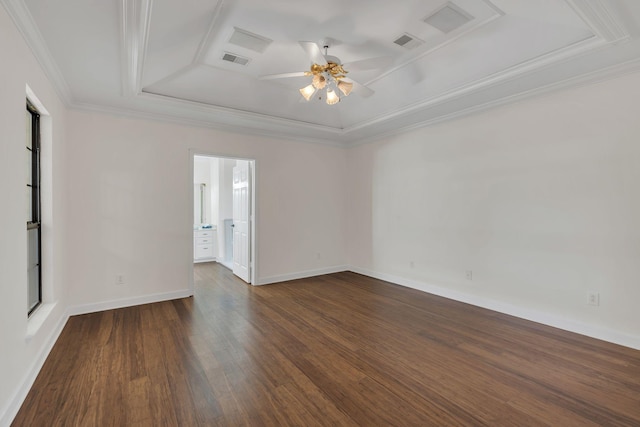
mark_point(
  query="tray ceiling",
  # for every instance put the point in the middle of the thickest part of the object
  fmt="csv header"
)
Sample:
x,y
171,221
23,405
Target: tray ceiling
x,y
166,59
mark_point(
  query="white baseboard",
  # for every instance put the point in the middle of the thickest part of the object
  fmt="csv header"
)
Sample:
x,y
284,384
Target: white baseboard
x,y
301,275
196,261
228,265
127,302
604,334
10,412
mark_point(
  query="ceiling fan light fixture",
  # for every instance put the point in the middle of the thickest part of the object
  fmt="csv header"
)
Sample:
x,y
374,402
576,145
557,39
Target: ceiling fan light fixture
x,y
319,82
327,74
345,87
332,98
308,91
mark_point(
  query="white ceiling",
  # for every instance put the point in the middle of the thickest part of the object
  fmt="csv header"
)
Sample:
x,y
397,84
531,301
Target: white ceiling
x,y
162,58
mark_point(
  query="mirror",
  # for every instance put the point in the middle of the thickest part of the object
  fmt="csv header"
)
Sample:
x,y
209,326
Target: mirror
x,y
199,203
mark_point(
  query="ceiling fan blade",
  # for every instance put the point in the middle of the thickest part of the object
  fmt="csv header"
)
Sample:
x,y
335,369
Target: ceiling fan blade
x,y
283,75
369,64
361,89
314,52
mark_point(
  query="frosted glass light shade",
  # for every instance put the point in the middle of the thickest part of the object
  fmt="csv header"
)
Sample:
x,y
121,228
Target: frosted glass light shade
x,y
332,98
319,82
345,87
308,92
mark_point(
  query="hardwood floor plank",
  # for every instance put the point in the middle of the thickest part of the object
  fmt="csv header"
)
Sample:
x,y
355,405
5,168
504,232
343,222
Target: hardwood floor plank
x,y
339,350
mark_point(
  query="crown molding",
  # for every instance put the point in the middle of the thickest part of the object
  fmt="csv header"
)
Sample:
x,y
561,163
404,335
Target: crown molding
x,y
597,14
25,24
206,111
341,139
602,18
589,44
539,63
612,72
135,20
242,117
603,22
207,40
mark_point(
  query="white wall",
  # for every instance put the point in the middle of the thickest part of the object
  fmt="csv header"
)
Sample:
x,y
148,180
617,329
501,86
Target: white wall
x,y
131,168
539,199
22,355
119,192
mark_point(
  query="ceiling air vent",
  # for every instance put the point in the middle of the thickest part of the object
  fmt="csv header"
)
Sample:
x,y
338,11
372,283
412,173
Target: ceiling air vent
x,y
408,41
448,18
230,57
249,40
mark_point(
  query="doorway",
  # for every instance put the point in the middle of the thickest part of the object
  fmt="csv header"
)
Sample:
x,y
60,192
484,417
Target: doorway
x,y
223,213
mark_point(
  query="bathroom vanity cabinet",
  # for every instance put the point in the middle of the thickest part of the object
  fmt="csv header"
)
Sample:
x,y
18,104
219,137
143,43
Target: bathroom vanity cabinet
x,y
204,245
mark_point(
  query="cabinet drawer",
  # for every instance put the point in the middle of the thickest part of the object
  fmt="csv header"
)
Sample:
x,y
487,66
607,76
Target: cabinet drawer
x,y
203,233
204,241
204,251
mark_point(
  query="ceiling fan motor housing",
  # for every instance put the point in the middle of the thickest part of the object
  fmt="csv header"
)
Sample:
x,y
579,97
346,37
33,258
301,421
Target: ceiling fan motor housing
x,y
333,59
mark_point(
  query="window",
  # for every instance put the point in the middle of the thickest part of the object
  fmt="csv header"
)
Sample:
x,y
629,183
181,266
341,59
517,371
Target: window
x,y
34,266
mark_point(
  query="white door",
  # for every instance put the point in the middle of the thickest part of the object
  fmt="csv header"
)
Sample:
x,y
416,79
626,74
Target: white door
x,y
241,223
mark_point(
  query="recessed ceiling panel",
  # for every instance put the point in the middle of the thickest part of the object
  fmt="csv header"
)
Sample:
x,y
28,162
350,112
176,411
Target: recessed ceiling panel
x,y
248,40
489,47
448,18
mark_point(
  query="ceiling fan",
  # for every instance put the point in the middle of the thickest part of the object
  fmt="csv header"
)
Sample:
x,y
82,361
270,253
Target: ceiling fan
x,y
329,73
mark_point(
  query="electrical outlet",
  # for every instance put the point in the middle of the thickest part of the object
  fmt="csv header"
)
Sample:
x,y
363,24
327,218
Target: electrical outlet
x,y
318,255
469,275
593,298
412,264
119,280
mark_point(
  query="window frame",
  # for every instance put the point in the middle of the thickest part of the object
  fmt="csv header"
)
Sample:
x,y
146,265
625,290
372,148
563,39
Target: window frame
x,y
35,216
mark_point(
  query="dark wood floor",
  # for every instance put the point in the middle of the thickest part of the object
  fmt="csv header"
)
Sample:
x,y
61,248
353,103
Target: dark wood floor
x,y
340,349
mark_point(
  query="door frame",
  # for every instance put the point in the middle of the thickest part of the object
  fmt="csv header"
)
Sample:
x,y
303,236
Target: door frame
x,y
253,253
